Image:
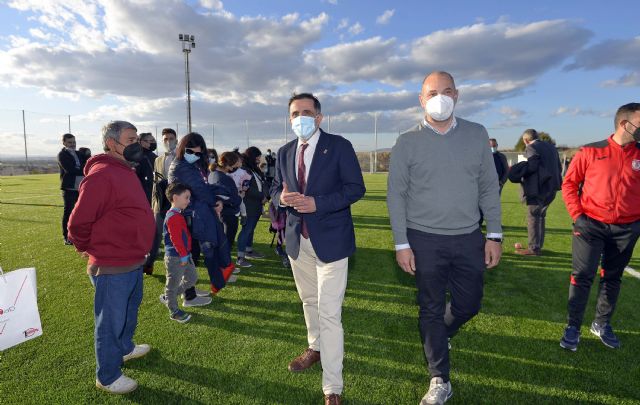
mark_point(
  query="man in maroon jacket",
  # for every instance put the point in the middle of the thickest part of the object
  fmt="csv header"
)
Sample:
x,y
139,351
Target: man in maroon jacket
x,y
113,226
602,193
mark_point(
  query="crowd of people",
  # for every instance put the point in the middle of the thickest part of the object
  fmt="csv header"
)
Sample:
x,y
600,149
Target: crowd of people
x,y
130,201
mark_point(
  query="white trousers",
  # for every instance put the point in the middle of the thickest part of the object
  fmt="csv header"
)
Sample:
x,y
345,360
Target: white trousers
x,y
321,288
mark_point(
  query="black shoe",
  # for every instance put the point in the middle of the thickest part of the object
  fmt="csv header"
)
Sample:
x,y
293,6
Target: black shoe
x,y
67,242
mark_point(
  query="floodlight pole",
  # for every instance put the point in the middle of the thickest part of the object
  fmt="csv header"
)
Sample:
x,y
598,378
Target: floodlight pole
x,y
375,142
24,132
188,43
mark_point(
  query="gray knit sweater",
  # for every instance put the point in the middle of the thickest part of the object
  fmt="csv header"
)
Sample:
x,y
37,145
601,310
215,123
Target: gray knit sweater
x,y
438,183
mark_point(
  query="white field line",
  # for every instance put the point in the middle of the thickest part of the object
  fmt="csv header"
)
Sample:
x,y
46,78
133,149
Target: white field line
x,y
632,272
26,198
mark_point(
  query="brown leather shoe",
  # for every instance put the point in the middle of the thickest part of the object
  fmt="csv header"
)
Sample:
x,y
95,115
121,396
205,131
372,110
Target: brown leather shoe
x,y
307,359
527,252
148,270
332,399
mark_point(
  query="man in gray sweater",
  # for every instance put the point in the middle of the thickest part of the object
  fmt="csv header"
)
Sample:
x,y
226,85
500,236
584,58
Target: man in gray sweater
x,y
441,175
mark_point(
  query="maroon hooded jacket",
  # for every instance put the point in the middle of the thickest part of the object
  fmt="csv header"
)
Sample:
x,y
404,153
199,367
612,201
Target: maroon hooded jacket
x,y
112,220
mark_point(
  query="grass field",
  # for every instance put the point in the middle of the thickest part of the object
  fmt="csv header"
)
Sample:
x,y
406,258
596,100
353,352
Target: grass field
x,y
236,350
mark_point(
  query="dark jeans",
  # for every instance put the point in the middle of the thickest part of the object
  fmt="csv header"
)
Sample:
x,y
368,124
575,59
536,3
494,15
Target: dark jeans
x,y
70,197
153,254
230,228
245,238
213,266
594,241
456,263
116,302
536,219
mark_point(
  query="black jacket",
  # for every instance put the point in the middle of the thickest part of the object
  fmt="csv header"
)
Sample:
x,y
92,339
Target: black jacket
x,y
540,175
69,169
144,170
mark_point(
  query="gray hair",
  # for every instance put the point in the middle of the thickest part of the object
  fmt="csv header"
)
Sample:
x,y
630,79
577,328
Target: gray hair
x,y
113,130
530,135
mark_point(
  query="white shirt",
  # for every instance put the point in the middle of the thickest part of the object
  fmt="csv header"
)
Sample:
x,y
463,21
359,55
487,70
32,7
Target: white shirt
x,y
308,154
454,123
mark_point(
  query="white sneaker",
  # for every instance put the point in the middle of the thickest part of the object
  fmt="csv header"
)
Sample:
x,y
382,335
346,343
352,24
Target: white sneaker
x,y
439,392
137,352
236,270
232,279
122,385
197,302
202,293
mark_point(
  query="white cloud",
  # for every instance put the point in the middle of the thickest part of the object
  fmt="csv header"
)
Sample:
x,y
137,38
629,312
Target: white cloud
x,y
575,111
385,17
356,29
613,53
212,4
344,23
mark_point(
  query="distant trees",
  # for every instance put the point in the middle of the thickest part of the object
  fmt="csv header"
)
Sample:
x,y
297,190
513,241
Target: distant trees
x,y
543,136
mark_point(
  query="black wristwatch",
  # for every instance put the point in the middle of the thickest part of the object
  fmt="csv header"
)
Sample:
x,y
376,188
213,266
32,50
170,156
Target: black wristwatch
x,y
499,240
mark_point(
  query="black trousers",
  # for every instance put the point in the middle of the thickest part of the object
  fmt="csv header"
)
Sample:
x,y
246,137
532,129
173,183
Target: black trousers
x,y
230,228
153,254
70,197
595,243
456,263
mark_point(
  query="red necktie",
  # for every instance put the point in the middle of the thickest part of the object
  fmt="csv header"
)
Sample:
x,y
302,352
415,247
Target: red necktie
x,y
302,183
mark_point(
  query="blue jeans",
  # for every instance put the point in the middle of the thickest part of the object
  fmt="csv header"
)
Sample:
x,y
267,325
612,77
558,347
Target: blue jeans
x,y
115,305
245,238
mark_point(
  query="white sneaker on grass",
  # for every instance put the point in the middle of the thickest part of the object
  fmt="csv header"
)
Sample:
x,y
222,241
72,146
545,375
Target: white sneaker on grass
x,y
439,392
236,270
200,293
197,302
122,385
232,279
137,352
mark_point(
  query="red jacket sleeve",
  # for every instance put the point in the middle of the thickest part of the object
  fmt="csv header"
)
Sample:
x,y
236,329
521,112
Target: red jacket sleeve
x,y
177,227
95,190
571,185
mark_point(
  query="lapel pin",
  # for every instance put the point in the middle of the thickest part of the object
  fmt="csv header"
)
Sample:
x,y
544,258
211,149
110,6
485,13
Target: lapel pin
x,y
324,151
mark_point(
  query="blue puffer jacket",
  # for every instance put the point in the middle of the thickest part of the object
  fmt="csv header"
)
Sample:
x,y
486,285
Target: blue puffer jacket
x,y
203,200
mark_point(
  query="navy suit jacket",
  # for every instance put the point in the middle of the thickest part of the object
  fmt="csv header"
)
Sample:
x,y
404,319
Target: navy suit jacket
x,y
335,181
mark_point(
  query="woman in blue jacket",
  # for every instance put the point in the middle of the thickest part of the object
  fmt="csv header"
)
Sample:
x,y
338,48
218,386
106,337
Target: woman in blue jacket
x,y
190,167
228,162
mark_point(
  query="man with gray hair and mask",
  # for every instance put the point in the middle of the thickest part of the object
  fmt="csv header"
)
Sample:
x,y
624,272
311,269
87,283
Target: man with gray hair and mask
x,y
441,175
112,225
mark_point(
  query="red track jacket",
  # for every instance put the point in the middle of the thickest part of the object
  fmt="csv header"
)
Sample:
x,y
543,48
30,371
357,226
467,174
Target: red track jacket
x,y
603,182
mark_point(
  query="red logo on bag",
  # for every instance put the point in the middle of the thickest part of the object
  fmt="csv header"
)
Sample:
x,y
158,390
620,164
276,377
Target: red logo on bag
x,y
30,332
10,309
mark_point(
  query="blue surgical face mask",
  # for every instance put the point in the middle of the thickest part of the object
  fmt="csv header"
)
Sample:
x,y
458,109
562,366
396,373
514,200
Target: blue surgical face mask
x,y
304,127
494,149
191,158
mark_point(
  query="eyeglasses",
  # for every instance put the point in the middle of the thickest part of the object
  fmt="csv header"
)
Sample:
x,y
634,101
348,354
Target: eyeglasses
x,y
191,152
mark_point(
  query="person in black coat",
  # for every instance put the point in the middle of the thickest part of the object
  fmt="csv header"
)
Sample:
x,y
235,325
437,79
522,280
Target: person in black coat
x,y
541,182
144,170
71,173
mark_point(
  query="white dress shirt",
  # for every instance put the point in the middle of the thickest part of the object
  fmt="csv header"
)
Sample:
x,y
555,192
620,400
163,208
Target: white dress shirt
x,y
308,154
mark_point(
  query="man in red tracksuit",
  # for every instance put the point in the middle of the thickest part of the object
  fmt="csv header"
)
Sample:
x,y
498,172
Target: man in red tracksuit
x,y
113,226
602,193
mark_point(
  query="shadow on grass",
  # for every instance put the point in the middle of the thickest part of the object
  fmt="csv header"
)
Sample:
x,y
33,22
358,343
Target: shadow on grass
x,y
32,204
260,390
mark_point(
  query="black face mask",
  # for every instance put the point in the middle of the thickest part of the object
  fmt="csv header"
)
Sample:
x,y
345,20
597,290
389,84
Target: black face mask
x,y
233,170
153,146
133,153
635,134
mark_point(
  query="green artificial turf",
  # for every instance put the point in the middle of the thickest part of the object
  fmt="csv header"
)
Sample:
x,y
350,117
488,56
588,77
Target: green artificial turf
x,y
236,350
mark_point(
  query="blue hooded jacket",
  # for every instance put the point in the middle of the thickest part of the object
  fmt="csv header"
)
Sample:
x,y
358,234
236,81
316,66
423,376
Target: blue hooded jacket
x,y
203,200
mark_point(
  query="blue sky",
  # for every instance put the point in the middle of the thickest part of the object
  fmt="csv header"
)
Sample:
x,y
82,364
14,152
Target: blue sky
x,y
561,67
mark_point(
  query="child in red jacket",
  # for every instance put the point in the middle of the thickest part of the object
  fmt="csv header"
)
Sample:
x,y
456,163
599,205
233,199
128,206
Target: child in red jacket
x,y
181,272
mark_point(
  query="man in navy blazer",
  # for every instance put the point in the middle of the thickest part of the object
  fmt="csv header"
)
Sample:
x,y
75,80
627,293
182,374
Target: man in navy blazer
x,y
317,178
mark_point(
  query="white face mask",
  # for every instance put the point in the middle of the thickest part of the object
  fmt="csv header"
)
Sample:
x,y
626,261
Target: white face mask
x,y
494,149
303,127
440,107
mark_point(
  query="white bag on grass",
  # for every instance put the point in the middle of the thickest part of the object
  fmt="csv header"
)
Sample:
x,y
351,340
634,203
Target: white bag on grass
x,y
19,316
